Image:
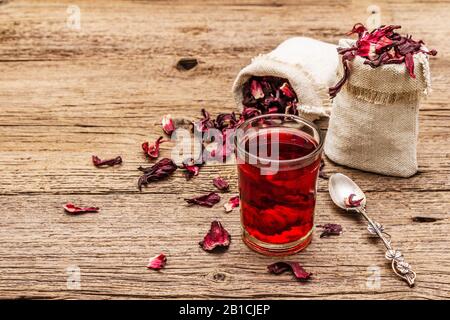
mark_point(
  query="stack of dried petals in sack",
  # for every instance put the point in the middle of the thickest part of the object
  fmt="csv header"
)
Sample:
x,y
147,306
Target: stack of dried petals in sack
x,y
293,78
374,119
380,47
269,95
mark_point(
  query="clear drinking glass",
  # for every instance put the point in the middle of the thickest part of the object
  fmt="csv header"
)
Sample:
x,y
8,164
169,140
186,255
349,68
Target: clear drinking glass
x,y
278,160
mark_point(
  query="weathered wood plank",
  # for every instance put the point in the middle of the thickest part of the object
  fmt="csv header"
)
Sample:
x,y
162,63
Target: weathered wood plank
x,y
112,247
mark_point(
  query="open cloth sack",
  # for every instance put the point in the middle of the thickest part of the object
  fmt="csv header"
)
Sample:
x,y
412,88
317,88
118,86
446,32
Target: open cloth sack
x,y
374,120
309,65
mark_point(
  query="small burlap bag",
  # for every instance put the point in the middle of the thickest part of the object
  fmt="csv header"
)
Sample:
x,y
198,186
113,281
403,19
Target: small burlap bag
x,y
309,65
374,119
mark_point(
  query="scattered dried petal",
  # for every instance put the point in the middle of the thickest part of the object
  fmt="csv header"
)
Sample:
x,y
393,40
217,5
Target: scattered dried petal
x,y
221,184
187,63
159,171
152,150
73,209
350,203
167,124
110,162
231,204
294,267
191,168
217,237
207,200
204,124
157,262
330,229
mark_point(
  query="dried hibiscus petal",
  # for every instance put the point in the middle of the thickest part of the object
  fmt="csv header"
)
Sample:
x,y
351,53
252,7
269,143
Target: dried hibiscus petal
x,y
157,262
221,184
73,209
207,200
351,203
226,121
204,124
217,237
294,267
110,162
152,150
287,90
191,168
159,171
256,90
167,124
329,229
231,204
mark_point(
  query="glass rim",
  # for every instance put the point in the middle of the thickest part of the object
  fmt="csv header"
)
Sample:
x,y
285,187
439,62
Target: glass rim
x,y
317,150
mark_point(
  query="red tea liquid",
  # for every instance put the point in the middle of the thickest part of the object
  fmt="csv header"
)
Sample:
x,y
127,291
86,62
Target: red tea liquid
x,y
278,208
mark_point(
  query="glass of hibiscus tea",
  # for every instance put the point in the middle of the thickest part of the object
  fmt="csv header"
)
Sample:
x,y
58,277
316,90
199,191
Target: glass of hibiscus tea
x,y
278,160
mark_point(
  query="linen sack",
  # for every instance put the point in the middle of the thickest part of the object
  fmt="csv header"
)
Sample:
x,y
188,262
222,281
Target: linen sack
x,y
374,119
309,65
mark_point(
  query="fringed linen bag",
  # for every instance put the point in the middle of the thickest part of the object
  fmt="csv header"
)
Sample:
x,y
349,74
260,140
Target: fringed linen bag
x,y
374,120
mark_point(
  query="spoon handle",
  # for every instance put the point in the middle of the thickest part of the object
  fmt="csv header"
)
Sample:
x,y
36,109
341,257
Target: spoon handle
x,y
400,267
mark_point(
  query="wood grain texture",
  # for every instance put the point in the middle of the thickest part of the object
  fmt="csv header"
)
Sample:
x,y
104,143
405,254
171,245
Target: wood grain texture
x,y
66,94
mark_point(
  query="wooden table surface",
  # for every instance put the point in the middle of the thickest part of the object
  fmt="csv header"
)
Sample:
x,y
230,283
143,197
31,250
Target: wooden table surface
x,y
66,94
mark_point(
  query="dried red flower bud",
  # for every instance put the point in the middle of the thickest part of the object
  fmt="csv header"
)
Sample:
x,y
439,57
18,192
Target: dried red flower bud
x,y
191,168
207,200
152,150
221,184
226,121
330,229
358,28
287,90
157,262
217,237
350,203
110,162
159,171
73,209
409,62
231,204
295,267
167,124
256,90
348,56
205,123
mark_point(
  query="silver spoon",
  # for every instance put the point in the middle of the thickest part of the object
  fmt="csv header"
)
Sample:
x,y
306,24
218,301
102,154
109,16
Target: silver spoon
x,y
341,190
